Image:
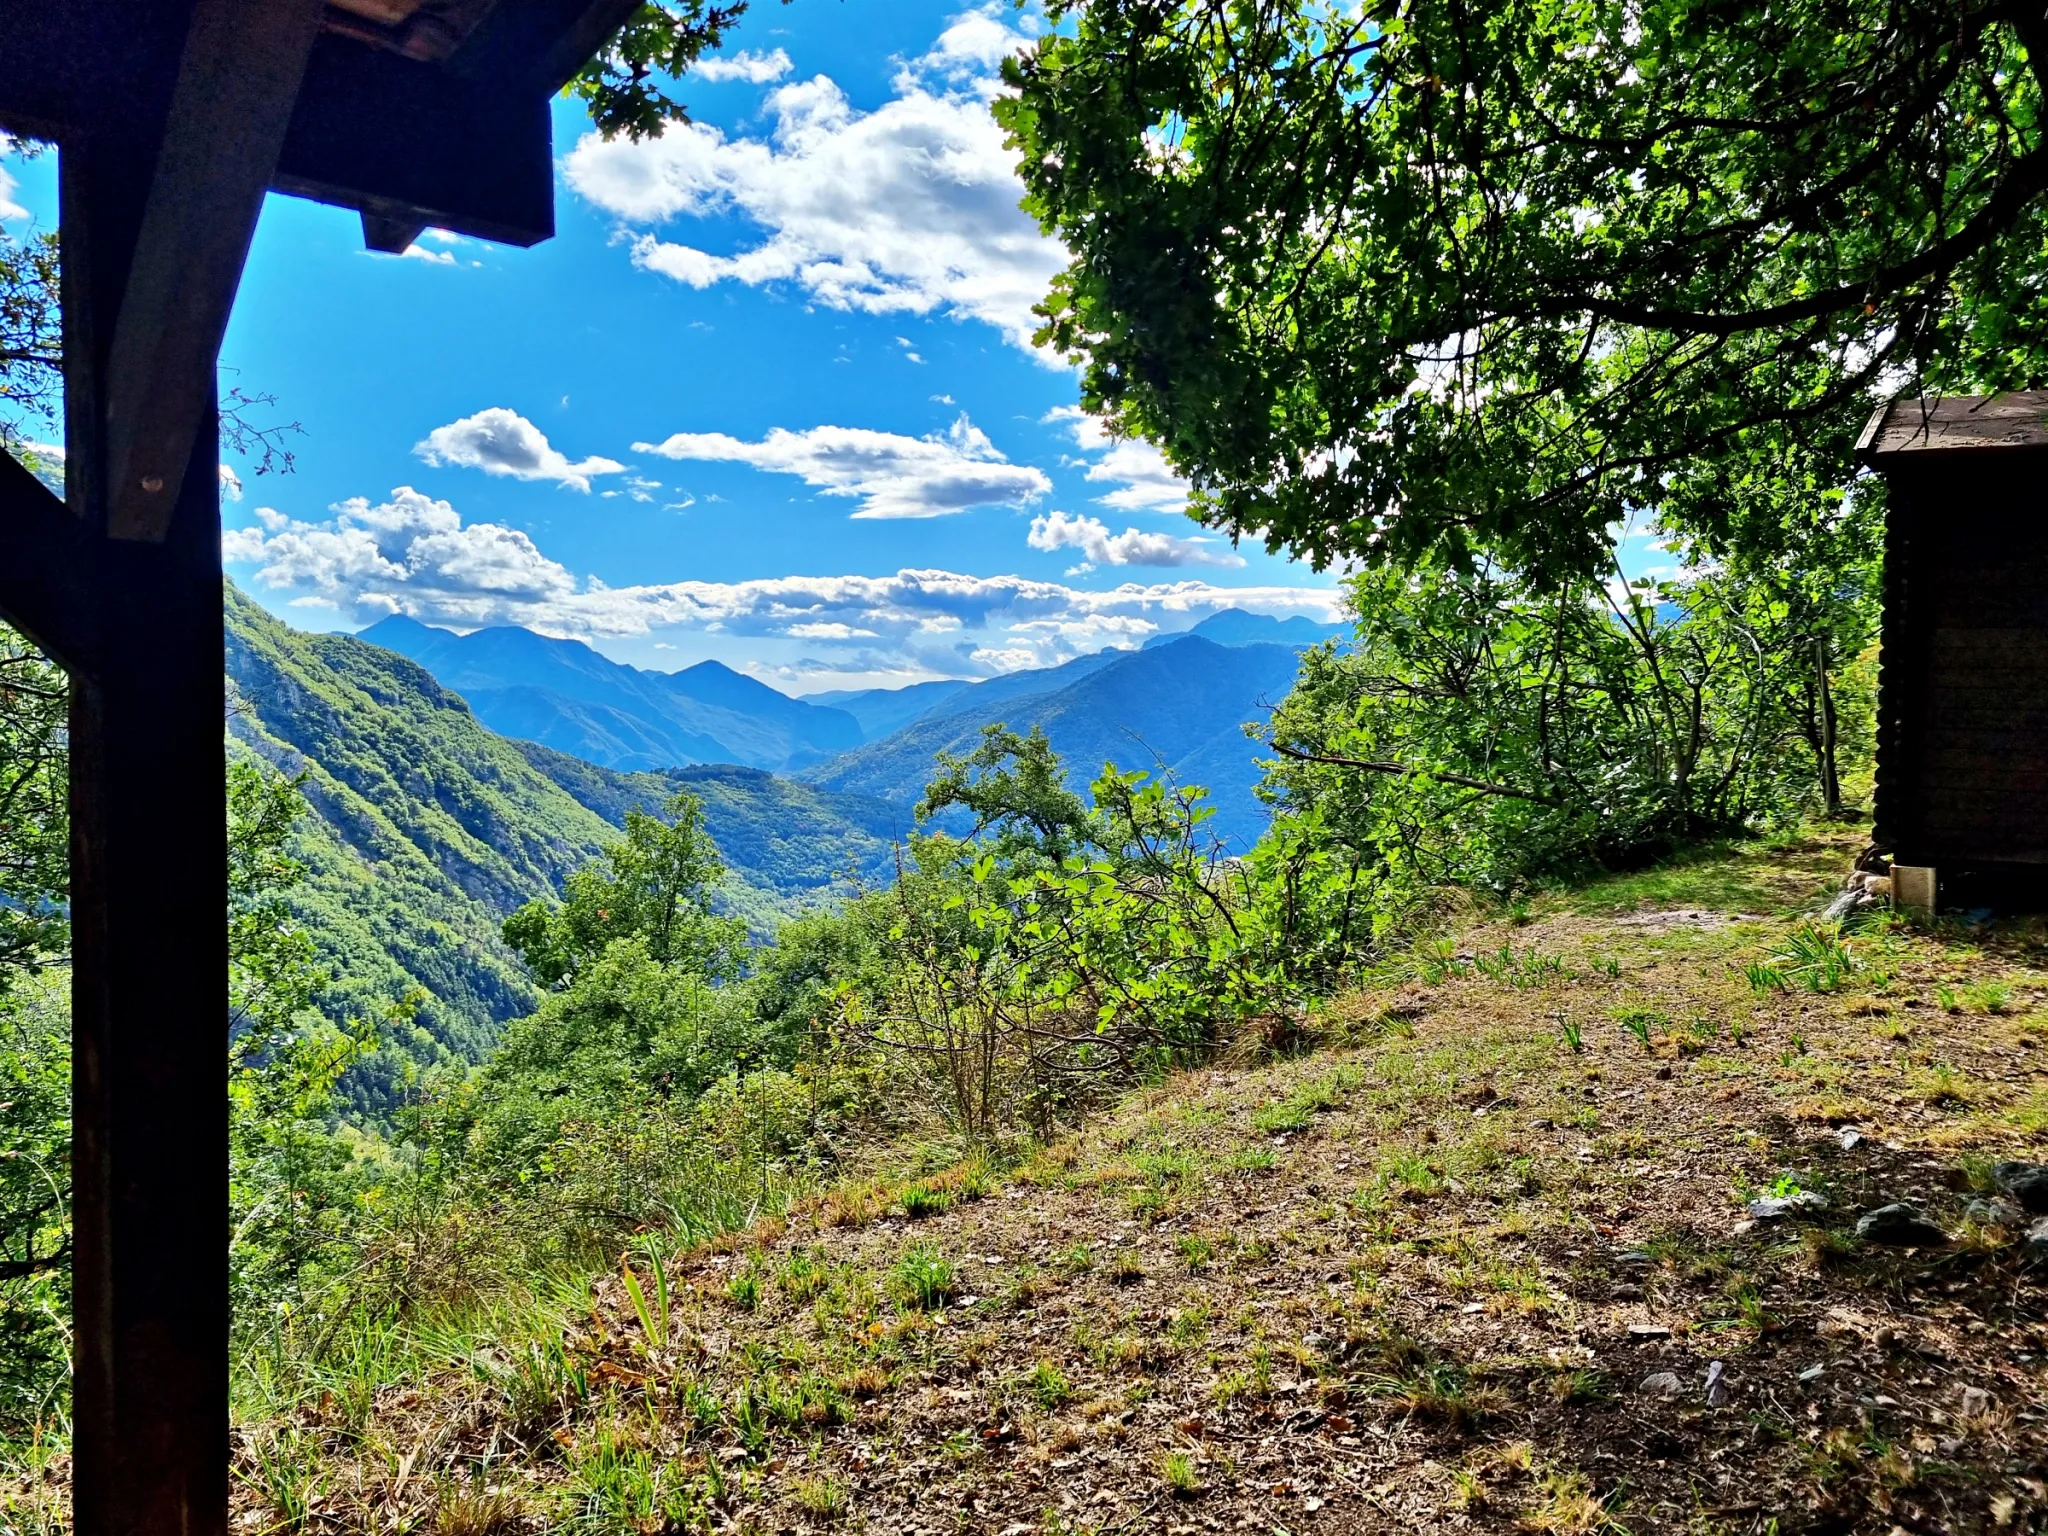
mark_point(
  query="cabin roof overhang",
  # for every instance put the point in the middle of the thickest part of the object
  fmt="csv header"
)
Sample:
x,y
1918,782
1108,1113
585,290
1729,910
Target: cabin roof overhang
x,y
1935,425
412,112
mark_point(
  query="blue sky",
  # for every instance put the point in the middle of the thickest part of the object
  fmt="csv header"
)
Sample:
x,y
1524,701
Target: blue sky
x,y
768,396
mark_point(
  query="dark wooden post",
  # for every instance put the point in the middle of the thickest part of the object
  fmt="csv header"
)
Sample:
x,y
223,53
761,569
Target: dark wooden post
x,y
149,897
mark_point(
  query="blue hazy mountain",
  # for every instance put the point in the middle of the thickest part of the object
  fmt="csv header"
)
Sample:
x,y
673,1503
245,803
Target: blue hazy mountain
x,y
1233,626
883,710
565,695
1177,707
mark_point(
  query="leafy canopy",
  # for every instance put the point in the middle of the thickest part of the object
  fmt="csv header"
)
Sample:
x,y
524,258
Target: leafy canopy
x,y
656,885
1424,275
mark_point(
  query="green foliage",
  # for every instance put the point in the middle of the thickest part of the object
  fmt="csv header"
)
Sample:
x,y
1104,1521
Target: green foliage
x,y
656,885
922,1279
622,86
31,338
1385,281
1816,956
34,820
1483,731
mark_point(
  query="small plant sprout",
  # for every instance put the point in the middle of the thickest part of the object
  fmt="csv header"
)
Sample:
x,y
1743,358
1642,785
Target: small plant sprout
x,y
822,1496
922,1200
1816,956
1988,997
922,1279
650,1302
743,1290
1177,1468
1049,1384
1643,1023
1763,978
1573,1033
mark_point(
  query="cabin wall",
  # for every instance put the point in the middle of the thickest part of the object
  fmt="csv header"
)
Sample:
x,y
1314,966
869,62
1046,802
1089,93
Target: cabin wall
x,y
1963,696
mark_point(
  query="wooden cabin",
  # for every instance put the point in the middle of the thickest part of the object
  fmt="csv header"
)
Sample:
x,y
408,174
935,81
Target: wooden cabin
x,y
1962,727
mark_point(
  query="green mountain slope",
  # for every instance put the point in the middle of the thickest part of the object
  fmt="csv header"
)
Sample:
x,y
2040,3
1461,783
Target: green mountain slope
x,y
427,828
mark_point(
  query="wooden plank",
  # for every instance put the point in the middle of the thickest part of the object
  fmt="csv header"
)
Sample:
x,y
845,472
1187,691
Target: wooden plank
x,y
237,82
149,910
45,588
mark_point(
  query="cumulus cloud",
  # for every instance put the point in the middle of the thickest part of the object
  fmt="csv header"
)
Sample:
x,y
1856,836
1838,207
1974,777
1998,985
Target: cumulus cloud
x,y
755,68
910,208
502,442
1145,481
891,475
413,554
1131,547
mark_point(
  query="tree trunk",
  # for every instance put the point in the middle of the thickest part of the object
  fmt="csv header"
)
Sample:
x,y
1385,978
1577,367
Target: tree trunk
x,y
1830,772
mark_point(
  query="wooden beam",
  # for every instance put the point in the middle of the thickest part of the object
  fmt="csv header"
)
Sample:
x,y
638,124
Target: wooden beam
x,y
468,149
415,144
149,922
45,580
237,82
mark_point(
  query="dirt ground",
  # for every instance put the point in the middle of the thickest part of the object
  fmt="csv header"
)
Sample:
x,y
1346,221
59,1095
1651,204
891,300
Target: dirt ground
x,y
1483,1260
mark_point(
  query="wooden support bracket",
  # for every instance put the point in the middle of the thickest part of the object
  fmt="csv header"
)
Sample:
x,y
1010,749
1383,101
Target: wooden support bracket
x,y
237,83
45,581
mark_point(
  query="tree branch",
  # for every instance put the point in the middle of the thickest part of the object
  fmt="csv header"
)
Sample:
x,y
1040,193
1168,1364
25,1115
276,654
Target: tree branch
x,y
1405,770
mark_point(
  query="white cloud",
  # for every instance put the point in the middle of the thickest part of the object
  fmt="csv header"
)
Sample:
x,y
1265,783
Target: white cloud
x,y
891,475
910,208
417,252
1147,482
502,442
11,212
754,68
413,554
1131,547
230,483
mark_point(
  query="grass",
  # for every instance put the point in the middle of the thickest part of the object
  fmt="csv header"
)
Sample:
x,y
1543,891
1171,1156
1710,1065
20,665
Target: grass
x,y
1641,1022
1337,1237
1177,1471
922,1279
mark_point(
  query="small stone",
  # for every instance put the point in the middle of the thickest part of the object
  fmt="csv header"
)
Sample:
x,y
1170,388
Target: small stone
x,y
2025,1182
1648,1331
1976,1402
1664,1073
1632,1256
1850,1138
1775,1207
1994,1213
1812,1373
1662,1384
1900,1226
1717,1383
2035,1249
1743,1228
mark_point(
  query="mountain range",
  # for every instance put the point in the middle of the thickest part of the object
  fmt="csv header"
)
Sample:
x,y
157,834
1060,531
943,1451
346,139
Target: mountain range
x,y
1176,709
565,695
1175,706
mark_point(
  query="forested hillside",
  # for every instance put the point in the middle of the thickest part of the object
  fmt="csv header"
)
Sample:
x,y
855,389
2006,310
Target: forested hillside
x,y
427,829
